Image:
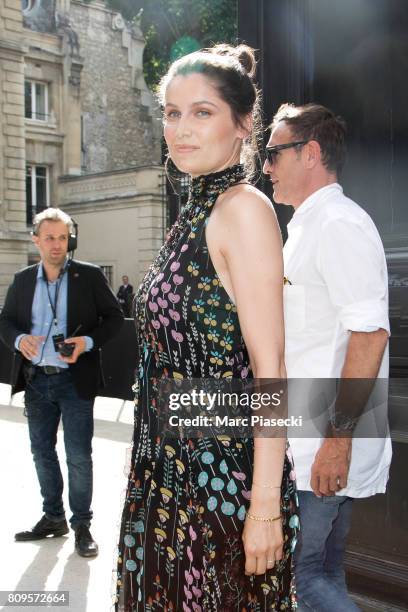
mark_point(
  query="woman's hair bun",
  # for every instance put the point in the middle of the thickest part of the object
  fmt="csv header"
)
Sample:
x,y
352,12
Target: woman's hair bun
x,y
246,57
243,53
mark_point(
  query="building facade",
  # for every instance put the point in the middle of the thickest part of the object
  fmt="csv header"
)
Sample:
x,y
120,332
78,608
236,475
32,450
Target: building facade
x,y
80,130
13,239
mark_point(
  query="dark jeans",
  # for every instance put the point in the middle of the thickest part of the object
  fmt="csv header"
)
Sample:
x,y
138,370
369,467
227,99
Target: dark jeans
x,y
319,572
47,398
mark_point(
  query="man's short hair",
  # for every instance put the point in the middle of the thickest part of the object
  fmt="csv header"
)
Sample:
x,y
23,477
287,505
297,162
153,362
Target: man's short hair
x,y
316,122
52,214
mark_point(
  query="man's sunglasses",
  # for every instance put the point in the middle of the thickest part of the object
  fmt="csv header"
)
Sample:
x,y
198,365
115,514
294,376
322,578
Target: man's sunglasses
x,y
272,152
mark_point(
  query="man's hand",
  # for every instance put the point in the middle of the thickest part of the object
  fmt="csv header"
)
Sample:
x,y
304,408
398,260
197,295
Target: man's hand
x,y
80,347
331,466
363,359
30,346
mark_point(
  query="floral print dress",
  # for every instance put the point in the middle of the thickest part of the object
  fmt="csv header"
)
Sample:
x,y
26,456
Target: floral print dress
x,y
180,546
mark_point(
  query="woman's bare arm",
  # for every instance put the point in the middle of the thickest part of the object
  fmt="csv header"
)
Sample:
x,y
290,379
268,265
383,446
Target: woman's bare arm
x,y
246,235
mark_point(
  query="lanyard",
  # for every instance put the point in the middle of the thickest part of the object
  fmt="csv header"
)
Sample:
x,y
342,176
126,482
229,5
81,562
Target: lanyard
x,y
54,304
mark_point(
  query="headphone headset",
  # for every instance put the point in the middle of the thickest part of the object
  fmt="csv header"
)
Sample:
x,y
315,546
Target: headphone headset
x,y
72,236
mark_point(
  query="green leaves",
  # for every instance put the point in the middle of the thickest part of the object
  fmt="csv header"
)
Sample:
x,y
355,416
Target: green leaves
x,y
173,28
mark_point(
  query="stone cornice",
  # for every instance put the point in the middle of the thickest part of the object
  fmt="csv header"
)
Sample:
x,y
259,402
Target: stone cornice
x,y
118,203
36,54
12,47
131,169
49,139
43,133
44,40
119,188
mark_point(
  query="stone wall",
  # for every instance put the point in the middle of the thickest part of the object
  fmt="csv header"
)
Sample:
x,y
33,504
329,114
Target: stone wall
x,y
92,62
120,216
13,234
119,122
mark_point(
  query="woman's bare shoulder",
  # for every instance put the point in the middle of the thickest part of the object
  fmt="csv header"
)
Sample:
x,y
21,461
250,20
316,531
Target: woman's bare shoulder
x,y
245,201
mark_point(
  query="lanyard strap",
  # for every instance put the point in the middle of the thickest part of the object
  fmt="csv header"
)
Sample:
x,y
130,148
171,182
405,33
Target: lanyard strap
x,y
54,304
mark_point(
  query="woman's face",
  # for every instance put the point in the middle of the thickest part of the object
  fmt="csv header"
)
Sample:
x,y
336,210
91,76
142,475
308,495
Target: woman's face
x,y
200,132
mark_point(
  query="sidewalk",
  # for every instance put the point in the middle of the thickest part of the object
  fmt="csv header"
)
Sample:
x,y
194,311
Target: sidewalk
x,y
52,564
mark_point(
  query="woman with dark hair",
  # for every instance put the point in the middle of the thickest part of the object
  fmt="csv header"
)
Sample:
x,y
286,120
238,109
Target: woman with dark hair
x,y
209,523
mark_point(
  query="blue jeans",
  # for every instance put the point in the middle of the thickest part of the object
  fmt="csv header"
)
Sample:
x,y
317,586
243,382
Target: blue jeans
x,y
319,572
47,398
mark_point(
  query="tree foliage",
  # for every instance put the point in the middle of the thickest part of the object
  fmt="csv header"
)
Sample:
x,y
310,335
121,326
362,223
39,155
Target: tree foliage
x,y
175,27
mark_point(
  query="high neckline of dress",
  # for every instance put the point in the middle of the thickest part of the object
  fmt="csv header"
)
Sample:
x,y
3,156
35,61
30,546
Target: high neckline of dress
x,y
216,182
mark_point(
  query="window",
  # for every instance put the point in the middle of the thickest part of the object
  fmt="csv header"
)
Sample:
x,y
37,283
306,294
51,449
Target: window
x,y
36,100
108,272
27,5
37,190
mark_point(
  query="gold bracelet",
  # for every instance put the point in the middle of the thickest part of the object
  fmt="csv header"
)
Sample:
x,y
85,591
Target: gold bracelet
x,y
263,519
265,486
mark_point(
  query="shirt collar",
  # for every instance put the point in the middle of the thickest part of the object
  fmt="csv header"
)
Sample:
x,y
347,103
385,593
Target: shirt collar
x,y
316,198
40,271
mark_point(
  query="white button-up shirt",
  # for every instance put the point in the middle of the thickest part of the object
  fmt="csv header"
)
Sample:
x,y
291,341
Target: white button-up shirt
x,y
335,261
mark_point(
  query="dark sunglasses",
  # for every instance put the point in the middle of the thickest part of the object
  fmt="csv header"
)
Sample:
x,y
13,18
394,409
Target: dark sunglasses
x,y
272,152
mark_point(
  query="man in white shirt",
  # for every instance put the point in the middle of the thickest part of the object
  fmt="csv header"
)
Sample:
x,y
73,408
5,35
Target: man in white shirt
x,y
336,325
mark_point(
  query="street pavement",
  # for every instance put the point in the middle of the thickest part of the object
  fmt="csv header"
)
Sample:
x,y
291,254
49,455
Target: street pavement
x,y
52,564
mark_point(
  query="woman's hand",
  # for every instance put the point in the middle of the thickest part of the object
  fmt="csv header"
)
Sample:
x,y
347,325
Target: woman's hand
x,y
263,541
263,545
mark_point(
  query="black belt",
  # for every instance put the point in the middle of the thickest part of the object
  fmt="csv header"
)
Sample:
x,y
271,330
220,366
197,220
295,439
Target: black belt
x,y
50,370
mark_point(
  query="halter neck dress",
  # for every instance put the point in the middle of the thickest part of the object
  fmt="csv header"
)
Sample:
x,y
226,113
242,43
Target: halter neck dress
x,y
180,546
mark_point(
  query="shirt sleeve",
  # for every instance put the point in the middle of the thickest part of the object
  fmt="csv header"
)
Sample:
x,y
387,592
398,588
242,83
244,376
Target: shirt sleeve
x,y
89,343
17,340
352,262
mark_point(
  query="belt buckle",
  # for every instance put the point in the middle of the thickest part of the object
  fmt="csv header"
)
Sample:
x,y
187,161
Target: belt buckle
x,y
50,370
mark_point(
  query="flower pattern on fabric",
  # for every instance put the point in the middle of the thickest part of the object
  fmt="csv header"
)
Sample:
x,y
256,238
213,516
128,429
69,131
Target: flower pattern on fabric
x,y
180,546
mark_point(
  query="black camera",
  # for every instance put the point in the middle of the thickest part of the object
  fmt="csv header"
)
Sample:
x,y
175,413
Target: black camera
x,y
66,350
61,347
